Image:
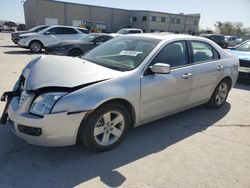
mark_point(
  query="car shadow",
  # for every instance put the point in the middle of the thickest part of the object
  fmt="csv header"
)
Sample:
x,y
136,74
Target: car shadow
x,y
10,46
25,165
243,84
22,52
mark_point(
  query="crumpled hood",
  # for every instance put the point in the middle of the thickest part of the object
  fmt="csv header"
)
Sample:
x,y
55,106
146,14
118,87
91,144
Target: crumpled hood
x,y
58,71
241,54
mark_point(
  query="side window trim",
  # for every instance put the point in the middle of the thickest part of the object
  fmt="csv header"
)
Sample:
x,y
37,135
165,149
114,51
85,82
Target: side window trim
x,y
192,52
189,62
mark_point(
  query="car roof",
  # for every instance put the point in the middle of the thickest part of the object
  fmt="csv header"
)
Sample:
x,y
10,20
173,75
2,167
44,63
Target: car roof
x,y
164,36
129,29
220,35
67,26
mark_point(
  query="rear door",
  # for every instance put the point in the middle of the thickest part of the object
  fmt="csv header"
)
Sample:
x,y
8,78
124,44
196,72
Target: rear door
x,y
208,70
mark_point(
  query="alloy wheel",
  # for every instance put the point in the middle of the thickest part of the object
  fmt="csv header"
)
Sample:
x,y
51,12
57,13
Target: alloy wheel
x,y
109,128
221,94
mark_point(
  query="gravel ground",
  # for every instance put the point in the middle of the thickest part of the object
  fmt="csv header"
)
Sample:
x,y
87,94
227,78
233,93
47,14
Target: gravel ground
x,y
195,148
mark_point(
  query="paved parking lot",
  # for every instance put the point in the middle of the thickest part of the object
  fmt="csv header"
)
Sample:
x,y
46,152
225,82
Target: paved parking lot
x,y
195,148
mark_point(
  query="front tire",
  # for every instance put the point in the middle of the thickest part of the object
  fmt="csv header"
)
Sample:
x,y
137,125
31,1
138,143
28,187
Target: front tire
x,y
105,128
219,95
35,46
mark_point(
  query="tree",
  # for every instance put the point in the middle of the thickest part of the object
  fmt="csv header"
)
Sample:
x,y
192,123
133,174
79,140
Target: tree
x,y
231,28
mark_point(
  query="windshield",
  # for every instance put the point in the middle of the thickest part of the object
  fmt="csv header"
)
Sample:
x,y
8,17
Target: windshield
x,y
37,28
123,53
88,38
245,46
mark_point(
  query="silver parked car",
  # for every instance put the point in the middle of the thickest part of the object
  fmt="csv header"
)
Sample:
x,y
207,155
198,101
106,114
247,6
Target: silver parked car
x,y
123,83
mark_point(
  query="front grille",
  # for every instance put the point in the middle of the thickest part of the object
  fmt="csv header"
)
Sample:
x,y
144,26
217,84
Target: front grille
x,y
30,130
244,63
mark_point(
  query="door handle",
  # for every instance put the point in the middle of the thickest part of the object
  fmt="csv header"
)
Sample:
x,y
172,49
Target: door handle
x,y
187,75
220,67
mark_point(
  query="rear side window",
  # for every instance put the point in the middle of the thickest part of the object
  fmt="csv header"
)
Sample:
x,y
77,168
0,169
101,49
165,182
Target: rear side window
x,y
174,54
203,52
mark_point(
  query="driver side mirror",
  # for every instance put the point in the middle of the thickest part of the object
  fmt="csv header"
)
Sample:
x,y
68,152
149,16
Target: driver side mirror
x,y
47,33
160,68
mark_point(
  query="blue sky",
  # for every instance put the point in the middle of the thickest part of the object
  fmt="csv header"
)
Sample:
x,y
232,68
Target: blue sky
x,y
211,10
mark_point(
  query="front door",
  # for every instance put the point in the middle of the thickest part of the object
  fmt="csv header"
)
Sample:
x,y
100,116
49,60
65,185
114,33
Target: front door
x,y
166,93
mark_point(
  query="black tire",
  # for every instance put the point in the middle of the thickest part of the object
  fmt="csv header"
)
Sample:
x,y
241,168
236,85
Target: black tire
x,y
214,102
75,53
87,136
35,46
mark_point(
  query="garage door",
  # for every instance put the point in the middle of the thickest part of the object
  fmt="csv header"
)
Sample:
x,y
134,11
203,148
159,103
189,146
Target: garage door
x,y
76,23
51,21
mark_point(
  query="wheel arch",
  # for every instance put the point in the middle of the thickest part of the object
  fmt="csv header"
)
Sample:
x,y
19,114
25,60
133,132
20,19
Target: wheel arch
x,y
37,41
229,81
124,102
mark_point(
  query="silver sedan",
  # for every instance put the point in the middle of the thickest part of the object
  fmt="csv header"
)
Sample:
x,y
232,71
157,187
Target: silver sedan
x,y
125,82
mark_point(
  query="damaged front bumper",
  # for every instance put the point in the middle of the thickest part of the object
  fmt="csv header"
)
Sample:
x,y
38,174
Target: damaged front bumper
x,y
55,129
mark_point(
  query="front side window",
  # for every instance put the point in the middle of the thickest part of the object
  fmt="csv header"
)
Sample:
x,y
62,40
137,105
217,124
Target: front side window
x,y
102,39
68,31
174,54
134,31
88,38
203,52
122,53
53,31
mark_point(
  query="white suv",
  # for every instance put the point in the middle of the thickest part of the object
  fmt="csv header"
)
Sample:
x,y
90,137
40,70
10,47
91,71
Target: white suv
x,y
37,41
126,31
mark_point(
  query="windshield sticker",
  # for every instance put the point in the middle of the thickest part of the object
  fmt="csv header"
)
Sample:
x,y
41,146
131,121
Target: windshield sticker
x,y
129,53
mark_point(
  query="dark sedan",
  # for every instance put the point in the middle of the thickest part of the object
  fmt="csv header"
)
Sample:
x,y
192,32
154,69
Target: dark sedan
x,y
217,38
15,35
77,47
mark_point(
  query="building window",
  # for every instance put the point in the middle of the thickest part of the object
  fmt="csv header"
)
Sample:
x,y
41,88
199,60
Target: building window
x,y
144,18
152,30
163,19
172,20
153,18
134,19
178,21
195,22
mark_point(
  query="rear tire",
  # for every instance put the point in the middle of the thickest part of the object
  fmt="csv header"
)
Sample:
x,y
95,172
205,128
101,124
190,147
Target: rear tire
x,y
219,95
75,53
105,128
35,46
